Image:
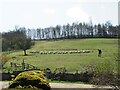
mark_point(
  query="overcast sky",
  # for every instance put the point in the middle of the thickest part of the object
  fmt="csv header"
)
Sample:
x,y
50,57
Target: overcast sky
x,y
45,13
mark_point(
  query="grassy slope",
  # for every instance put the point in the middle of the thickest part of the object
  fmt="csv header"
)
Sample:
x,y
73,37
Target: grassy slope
x,y
72,62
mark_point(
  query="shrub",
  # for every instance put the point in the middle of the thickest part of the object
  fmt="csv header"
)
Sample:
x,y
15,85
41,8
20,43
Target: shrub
x,y
29,79
104,73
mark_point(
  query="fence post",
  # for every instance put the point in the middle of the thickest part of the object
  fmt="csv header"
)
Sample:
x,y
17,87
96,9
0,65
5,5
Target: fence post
x,y
10,64
23,65
118,61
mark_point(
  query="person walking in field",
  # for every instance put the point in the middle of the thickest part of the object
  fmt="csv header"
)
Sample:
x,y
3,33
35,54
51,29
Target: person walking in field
x,y
99,52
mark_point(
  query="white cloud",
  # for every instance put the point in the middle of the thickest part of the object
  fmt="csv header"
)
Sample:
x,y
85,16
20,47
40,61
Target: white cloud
x,y
77,14
49,11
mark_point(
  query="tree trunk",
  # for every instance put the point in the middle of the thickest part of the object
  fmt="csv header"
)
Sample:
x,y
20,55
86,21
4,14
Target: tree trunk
x,y
25,52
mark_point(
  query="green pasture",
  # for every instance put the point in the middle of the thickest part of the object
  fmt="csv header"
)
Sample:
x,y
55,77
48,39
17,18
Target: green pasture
x,y
71,62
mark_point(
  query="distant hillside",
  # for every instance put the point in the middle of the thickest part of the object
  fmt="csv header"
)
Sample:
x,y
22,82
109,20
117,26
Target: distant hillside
x,y
91,44
71,62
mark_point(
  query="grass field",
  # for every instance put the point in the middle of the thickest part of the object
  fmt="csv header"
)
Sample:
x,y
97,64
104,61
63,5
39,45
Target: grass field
x,y
71,62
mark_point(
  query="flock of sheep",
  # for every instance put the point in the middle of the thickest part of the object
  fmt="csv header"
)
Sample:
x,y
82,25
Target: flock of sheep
x,y
61,52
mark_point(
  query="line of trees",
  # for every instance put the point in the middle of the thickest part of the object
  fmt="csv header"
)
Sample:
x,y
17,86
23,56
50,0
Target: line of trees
x,y
21,38
74,31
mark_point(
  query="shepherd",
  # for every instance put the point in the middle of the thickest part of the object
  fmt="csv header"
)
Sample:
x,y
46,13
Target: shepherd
x,y
99,52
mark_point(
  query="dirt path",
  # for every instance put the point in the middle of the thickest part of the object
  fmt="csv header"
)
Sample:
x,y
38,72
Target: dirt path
x,y
75,86
62,85
3,84
70,85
